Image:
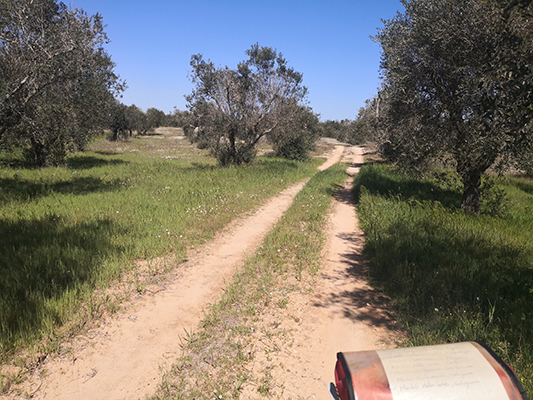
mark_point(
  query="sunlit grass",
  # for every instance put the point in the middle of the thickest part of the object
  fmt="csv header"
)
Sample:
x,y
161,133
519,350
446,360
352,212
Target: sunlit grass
x,y
68,231
453,276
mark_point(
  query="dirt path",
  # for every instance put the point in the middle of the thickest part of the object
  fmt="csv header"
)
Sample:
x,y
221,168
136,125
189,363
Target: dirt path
x,y
342,313
124,357
333,159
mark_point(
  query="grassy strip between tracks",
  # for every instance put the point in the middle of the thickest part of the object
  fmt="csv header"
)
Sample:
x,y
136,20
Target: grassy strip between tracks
x,y
216,358
453,276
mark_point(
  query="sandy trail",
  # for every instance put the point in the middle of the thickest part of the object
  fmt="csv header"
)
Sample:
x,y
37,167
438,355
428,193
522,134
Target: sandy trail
x,y
333,159
124,357
343,313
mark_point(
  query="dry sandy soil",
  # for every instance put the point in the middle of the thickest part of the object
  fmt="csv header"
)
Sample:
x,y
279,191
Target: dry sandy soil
x,y
341,313
124,357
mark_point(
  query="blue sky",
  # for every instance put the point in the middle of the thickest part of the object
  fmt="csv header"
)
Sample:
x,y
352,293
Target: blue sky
x,y
328,41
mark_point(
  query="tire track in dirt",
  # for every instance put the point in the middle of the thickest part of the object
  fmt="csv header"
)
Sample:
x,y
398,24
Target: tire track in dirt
x,y
347,313
124,357
341,313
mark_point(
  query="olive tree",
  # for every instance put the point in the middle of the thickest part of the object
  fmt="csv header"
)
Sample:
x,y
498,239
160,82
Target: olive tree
x,y
457,84
56,80
124,120
297,136
155,117
178,118
232,109
135,118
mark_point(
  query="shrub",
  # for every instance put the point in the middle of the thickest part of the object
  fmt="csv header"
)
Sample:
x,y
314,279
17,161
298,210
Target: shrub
x,y
294,148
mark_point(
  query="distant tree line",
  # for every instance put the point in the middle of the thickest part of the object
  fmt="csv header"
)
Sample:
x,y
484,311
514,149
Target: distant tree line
x,y
362,130
125,120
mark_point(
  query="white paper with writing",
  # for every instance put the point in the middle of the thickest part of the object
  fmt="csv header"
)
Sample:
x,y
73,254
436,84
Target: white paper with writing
x,y
450,371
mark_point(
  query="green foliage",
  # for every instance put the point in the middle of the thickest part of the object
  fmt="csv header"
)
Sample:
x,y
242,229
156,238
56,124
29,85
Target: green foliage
x,y
233,109
178,119
339,130
202,145
228,155
296,140
56,79
360,131
453,276
155,117
124,120
68,230
457,84
120,122
295,148
494,200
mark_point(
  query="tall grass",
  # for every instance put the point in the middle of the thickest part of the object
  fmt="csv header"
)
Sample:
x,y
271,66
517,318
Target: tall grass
x,y
67,232
453,276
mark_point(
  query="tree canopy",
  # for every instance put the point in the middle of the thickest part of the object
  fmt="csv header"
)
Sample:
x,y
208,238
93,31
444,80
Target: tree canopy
x,y
458,84
232,109
56,80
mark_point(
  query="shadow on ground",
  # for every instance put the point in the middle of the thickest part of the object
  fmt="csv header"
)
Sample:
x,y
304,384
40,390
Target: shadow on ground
x,y
363,303
43,260
88,162
15,190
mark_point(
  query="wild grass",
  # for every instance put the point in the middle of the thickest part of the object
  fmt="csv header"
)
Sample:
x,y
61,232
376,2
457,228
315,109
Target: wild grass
x,y
453,276
216,358
67,233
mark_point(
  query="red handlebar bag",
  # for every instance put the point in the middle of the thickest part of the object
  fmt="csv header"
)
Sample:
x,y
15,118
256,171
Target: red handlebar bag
x,y
459,371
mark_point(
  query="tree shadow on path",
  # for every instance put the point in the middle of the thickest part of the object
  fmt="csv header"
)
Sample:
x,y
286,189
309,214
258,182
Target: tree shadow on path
x,y
351,293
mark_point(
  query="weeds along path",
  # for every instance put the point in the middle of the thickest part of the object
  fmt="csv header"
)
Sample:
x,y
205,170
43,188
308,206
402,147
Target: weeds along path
x,y
124,357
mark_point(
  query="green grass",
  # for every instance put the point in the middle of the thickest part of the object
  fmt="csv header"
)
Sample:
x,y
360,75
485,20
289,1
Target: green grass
x,y
67,233
215,358
453,276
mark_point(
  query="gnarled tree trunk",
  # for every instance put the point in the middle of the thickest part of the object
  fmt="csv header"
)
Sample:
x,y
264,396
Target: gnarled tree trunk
x,y
471,200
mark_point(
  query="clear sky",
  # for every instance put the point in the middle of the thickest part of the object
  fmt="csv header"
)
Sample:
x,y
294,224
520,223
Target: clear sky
x,y
328,41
